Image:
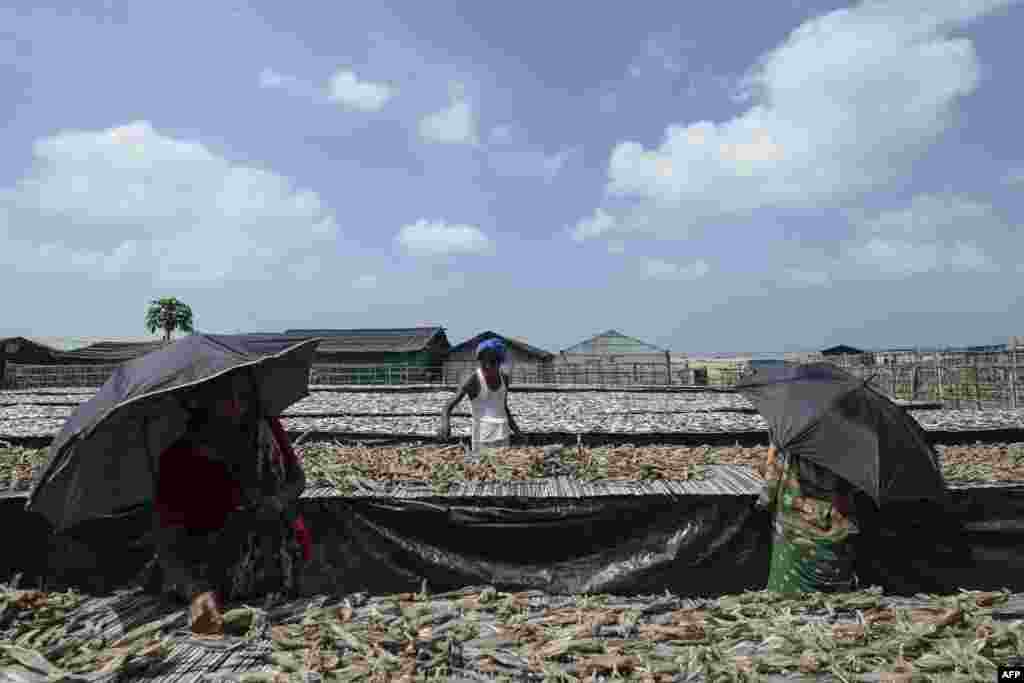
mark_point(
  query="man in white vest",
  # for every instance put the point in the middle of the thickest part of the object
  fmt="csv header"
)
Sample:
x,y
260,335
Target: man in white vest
x,y
487,389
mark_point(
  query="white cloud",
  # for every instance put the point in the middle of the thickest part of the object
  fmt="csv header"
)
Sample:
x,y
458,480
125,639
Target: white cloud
x,y
365,282
600,223
455,124
897,257
343,88
663,270
346,89
931,217
616,247
930,233
843,105
437,238
132,200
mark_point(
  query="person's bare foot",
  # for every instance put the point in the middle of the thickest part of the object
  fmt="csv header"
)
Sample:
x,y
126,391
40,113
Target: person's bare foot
x,y
206,617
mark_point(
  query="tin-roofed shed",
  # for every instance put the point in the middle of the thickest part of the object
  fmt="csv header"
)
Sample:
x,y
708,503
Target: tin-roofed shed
x,y
525,364
614,358
377,355
67,361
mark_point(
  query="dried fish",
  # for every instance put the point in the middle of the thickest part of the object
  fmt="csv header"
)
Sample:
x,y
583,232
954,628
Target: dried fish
x,y
416,413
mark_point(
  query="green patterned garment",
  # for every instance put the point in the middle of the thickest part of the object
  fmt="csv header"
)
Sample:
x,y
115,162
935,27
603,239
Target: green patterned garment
x,y
813,530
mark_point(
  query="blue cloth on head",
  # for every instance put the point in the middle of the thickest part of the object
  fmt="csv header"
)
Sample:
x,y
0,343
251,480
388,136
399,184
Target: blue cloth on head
x,y
494,345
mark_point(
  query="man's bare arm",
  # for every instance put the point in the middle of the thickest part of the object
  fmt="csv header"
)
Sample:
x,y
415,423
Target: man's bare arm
x,y
468,388
511,420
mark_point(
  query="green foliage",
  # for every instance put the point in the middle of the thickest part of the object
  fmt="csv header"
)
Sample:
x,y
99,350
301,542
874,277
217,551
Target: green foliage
x,y
169,314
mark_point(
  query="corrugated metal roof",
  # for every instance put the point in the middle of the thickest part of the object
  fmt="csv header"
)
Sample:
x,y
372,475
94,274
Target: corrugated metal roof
x,y
112,352
613,342
385,340
509,341
68,344
841,349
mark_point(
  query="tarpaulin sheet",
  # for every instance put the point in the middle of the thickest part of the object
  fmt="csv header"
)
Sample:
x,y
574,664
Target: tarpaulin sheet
x,y
692,545
695,545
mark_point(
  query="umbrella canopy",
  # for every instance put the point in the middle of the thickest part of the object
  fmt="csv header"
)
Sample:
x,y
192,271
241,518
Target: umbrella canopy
x,y
105,458
823,414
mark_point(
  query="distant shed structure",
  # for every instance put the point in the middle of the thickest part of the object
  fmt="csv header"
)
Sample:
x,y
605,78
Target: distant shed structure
x,y
848,355
614,358
377,355
525,364
66,361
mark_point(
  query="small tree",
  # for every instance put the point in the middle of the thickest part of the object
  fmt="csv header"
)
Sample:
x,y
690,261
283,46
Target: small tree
x,y
168,315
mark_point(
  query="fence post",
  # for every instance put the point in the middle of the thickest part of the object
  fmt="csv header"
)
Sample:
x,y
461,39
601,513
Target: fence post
x,y
977,384
938,371
1013,372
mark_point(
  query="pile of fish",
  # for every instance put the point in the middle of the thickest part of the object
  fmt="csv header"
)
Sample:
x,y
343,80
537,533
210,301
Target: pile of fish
x,y
33,421
41,413
343,467
482,634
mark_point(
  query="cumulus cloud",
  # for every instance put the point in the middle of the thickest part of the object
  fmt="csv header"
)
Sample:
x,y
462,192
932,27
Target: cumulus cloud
x,y
343,88
842,106
897,257
599,224
132,200
437,238
455,124
346,89
930,233
931,217
658,269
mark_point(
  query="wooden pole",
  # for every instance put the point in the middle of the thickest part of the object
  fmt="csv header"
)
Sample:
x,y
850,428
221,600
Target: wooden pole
x,y
668,367
938,372
1013,373
977,384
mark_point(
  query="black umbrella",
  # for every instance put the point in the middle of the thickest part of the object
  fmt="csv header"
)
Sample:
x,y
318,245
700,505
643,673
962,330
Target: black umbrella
x,y
823,414
104,460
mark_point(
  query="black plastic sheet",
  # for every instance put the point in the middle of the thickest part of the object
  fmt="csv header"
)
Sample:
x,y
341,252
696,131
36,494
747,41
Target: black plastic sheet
x,y
699,545
690,545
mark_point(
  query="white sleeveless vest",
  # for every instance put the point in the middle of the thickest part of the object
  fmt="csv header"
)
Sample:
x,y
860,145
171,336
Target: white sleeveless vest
x,y
490,420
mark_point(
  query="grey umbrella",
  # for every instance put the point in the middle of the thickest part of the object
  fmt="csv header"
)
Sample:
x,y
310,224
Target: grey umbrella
x,y
824,414
105,459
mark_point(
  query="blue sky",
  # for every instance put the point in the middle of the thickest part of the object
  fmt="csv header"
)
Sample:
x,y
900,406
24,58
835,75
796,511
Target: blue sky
x,y
732,176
